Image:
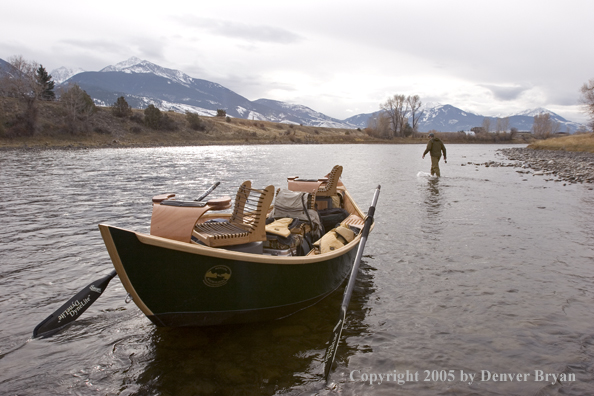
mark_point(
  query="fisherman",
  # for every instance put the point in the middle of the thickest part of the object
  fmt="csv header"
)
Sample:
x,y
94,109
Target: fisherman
x,y
435,146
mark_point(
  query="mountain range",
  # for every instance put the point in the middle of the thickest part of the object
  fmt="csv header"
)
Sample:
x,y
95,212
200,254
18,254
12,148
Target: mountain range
x,y
143,83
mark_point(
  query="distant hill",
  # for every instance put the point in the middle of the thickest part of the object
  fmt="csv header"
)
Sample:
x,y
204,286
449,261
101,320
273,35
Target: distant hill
x,y
143,83
447,118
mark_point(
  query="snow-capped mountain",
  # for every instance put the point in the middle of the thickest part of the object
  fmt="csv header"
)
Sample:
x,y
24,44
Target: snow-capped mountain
x,y
143,83
299,114
447,118
62,74
136,65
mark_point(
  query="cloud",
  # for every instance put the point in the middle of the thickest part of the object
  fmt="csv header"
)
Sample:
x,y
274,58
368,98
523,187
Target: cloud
x,y
505,92
239,30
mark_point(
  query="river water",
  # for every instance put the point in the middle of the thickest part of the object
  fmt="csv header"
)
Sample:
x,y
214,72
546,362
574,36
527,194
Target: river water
x,y
481,282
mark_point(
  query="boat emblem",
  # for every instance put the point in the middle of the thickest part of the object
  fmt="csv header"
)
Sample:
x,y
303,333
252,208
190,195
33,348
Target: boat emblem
x,y
217,276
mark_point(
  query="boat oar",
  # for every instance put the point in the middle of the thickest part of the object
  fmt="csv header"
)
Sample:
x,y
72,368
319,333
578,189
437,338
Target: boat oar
x,y
78,304
200,198
72,309
337,331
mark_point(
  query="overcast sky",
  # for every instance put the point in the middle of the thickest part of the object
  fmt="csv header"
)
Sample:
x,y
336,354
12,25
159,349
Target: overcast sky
x,y
341,58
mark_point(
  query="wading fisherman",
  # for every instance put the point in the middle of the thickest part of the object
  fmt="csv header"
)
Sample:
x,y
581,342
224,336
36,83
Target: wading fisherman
x,y
435,147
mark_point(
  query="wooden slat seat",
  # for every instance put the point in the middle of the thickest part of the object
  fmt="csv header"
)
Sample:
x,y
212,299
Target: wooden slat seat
x,y
246,224
353,221
322,187
329,188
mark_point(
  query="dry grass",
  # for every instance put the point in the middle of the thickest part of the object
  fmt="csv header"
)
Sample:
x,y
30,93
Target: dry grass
x,y
582,142
105,130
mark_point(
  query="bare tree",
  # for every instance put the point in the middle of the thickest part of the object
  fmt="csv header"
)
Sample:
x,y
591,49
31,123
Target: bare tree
x,y
486,125
414,104
379,124
79,107
544,126
502,124
513,132
587,99
396,108
21,82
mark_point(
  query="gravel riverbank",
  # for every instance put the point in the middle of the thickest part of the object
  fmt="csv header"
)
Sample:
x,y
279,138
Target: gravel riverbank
x,y
557,165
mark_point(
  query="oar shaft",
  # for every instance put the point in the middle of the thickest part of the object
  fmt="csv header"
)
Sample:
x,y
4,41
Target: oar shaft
x,y
336,333
365,233
215,185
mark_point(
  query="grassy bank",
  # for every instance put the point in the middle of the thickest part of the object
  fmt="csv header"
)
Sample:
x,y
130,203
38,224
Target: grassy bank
x,y
54,128
103,129
582,142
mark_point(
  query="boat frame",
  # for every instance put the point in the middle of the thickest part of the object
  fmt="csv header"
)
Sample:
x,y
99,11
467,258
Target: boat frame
x,y
177,283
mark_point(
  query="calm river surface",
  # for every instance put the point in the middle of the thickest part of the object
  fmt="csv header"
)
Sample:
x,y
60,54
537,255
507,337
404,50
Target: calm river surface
x,y
481,273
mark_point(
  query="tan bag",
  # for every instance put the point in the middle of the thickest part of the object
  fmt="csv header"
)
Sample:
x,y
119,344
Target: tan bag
x,y
280,227
334,239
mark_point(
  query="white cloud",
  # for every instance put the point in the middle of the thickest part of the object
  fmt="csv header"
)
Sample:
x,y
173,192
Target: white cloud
x,y
335,57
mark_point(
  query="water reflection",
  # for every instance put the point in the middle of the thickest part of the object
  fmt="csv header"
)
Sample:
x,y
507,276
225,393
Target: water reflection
x,y
260,358
433,202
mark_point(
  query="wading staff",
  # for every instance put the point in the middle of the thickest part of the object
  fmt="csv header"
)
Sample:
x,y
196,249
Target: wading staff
x,y
335,339
78,304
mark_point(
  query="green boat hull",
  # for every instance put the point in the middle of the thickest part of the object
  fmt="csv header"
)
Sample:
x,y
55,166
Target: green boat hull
x,y
177,284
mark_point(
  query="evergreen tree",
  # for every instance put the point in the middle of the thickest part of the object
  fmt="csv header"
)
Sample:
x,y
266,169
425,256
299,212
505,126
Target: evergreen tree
x,y
121,108
153,117
46,84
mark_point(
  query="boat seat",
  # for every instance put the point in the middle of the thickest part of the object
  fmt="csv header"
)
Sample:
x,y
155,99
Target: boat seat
x,y
175,219
353,221
329,188
322,187
246,224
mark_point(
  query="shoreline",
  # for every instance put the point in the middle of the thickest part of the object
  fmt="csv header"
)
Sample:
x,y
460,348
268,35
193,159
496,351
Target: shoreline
x,y
554,165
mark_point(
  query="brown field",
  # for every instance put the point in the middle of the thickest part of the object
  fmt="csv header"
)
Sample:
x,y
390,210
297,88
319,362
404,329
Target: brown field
x,y
103,129
582,142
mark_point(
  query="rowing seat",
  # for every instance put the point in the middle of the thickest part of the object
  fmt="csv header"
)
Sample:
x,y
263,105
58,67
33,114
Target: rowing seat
x,y
322,187
246,224
175,219
329,188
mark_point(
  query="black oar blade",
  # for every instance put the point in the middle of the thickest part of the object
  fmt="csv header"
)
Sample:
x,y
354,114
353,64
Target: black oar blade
x,y
333,346
72,309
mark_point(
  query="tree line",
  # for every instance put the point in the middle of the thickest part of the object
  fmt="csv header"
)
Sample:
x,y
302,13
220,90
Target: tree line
x,y
399,116
30,83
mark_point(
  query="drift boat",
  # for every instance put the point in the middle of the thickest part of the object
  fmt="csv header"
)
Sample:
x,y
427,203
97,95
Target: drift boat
x,y
202,265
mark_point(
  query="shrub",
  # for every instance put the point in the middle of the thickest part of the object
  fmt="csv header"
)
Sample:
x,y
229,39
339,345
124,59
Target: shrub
x,y
152,117
79,107
121,108
101,130
168,123
228,119
194,121
221,113
137,118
